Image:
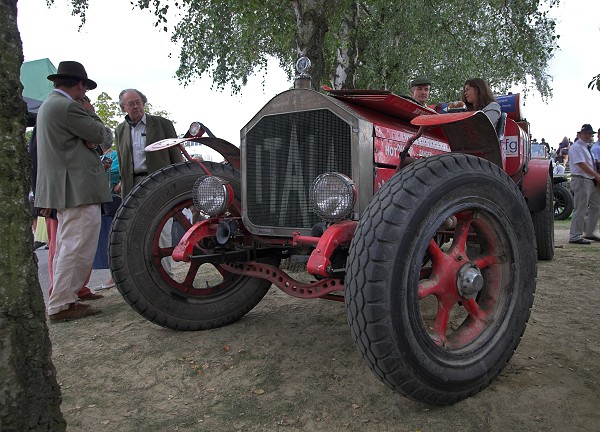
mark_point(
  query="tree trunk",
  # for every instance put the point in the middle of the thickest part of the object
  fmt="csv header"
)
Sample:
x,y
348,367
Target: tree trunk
x,y
311,24
347,51
29,394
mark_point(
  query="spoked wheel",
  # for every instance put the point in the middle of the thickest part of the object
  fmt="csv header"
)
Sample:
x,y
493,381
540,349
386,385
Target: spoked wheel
x,y
543,225
435,321
563,202
192,296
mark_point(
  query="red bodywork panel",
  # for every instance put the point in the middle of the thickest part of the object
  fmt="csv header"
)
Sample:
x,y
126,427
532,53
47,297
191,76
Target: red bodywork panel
x,y
533,185
384,102
515,148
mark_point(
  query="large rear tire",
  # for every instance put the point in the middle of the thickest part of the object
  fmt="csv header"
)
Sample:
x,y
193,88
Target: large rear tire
x,y
543,224
442,222
197,297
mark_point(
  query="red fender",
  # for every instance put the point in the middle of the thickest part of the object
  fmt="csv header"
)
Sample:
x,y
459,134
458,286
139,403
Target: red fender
x,y
469,132
229,152
533,186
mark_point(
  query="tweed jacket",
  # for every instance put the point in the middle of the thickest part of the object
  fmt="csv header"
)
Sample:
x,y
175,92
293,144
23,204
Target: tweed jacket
x,y
157,128
68,173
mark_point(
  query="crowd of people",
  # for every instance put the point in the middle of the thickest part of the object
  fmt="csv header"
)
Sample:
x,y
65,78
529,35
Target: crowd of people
x,y
80,177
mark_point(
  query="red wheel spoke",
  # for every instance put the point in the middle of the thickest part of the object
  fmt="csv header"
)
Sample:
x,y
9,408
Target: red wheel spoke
x,y
435,251
191,274
427,287
474,310
461,232
222,271
165,252
486,261
183,220
441,321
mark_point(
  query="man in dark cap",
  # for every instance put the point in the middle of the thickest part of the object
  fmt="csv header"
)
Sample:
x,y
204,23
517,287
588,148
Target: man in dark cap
x,y
584,220
70,179
420,88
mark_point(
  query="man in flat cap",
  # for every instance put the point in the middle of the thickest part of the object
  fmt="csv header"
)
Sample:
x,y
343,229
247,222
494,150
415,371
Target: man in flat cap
x,y
420,88
71,179
584,220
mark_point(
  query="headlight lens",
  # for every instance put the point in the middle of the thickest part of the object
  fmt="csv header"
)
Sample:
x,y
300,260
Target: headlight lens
x,y
194,129
333,196
212,195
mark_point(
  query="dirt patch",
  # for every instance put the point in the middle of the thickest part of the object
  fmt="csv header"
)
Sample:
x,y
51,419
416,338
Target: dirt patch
x,y
291,365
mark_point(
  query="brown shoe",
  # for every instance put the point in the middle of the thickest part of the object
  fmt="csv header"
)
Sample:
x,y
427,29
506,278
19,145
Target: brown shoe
x,y
91,296
75,311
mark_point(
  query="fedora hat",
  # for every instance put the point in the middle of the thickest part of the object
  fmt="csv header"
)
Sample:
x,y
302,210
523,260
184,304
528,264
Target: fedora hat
x,y
73,69
587,128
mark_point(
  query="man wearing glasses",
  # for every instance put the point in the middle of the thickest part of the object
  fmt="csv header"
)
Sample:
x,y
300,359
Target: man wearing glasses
x,y
131,137
70,179
134,134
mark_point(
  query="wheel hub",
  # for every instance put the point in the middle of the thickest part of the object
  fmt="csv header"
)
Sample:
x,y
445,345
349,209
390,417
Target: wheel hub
x,y
469,281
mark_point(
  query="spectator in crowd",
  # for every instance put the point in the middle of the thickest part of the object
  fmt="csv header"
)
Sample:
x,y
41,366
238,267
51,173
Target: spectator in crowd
x,y
584,219
596,152
131,137
111,165
70,179
563,150
478,96
420,88
51,223
546,146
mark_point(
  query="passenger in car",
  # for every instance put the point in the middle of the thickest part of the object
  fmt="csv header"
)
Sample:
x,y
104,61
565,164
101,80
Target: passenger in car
x,y
478,96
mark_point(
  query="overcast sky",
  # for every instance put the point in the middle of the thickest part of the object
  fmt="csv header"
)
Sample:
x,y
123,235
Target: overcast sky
x,y
120,48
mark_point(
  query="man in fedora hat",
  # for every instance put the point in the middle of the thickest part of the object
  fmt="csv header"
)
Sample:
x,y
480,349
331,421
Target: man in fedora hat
x,y
419,88
584,176
70,179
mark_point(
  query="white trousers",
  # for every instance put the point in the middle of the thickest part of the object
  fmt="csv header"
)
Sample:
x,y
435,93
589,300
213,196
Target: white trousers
x,y
76,243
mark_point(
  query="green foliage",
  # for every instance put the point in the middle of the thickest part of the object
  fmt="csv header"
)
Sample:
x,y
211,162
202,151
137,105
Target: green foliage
x,y
107,110
111,115
506,42
595,83
148,108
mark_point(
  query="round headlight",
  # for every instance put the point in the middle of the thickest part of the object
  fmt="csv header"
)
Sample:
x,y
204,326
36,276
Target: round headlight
x,y
194,129
333,196
212,195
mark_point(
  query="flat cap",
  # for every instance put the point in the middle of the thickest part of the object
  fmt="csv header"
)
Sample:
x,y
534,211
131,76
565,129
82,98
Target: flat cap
x,y
420,80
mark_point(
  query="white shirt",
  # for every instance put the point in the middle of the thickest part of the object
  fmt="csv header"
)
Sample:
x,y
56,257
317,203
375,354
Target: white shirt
x,y
579,153
138,144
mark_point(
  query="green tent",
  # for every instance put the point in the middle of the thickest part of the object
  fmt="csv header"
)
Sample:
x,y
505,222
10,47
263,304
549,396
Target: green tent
x,y
36,86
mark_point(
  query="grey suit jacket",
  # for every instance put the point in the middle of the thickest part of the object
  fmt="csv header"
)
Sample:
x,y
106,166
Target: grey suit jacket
x,y
157,128
69,174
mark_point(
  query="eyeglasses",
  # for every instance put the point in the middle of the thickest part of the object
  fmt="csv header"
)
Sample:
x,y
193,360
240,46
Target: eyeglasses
x,y
134,103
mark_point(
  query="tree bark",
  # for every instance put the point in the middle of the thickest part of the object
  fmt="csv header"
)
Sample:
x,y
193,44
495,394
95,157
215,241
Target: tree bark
x,y
311,24
29,394
347,51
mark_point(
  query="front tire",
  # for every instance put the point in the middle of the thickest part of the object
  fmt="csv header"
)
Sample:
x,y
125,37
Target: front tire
x,y
443,221
563,202
197,297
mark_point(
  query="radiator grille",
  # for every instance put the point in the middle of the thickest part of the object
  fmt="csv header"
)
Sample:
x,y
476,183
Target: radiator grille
x,y
284,154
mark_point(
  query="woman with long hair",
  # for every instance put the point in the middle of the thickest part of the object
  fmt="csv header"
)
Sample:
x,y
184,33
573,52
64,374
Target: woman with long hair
x,y
478,96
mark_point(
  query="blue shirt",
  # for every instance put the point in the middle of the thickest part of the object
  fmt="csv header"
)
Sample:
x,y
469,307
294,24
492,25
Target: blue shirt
x,y
596,150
